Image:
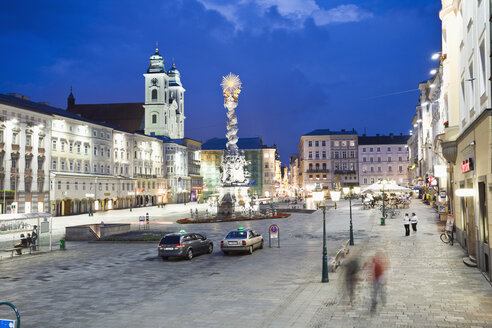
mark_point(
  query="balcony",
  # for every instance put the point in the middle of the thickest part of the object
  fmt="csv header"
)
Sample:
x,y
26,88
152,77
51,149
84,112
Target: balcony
x,y
15,147
40,151
318,171
345,172
40,173
27,172
14,171
28,149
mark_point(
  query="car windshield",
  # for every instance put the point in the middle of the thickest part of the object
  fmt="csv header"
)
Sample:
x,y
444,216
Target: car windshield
x,y
237,234
167,240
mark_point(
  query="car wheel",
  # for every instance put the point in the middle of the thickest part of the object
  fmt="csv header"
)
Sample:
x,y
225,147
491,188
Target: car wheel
x,y
250,250
189,254
210,248
261,245
164,258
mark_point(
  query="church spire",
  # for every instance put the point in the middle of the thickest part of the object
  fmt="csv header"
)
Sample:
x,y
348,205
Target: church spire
x,y
70,99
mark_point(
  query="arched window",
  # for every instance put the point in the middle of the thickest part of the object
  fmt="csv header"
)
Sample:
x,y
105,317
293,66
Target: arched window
x,y
154,118
154,95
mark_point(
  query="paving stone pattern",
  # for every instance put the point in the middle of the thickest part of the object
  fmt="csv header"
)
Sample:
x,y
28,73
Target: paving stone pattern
x,y
127,285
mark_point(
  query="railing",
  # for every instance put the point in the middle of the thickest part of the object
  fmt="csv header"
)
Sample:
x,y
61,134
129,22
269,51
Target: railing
x,y
344,171
318,171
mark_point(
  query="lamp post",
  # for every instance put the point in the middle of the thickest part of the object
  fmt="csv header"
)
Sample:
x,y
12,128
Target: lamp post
x,y
131,193
90,196
383,183
324,272
351,193
335,196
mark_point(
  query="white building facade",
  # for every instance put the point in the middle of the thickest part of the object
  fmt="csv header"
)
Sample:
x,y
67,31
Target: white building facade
x,y
383,157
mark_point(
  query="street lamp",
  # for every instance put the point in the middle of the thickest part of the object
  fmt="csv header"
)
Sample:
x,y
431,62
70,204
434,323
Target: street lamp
x,y
90,196
335,196
324,272
383,183
351,193
131,193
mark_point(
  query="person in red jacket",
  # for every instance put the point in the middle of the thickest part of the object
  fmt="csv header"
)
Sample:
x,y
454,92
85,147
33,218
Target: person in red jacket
x,y
378,266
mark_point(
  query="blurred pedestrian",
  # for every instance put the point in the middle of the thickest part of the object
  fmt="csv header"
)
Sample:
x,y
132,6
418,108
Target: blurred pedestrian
x,y
378,266
414,220
406,224
352,276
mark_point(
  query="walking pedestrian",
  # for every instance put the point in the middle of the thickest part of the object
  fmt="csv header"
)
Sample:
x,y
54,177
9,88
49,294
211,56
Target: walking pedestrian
x,y
351,276
378,266
414,220
406,224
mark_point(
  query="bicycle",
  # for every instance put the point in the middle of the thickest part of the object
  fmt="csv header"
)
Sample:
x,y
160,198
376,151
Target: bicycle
x,y
447,237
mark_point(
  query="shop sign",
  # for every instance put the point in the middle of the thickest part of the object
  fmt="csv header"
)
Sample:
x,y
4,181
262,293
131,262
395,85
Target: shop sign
x,y
467,165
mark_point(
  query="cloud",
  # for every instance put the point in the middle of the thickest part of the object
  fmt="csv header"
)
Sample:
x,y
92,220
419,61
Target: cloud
x,y
291,14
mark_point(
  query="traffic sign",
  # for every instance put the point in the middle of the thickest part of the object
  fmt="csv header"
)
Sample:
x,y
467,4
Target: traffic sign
x,y
4,323
274,234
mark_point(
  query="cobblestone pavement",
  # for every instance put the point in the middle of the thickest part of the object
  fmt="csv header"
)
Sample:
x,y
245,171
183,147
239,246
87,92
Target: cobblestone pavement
x,y
126,285
428,284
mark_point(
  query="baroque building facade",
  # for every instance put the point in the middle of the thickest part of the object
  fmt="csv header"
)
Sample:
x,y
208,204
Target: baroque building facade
x,y
453,125
327,159
383,157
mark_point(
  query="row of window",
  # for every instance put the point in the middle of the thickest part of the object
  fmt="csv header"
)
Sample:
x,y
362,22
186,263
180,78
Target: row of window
x,y
371,159
336,154
15,139
27,163
75,185
334,143
14,185
95,132
324,177
378,149
379,169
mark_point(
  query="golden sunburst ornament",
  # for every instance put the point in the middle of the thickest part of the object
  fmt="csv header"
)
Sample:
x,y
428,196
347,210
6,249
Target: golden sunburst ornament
x,y
231,82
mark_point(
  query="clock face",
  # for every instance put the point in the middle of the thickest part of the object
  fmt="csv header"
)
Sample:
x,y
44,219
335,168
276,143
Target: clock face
x,y
154,81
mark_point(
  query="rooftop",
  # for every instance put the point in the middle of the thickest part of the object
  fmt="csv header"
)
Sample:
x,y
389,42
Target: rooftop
x,y
384,140
325,132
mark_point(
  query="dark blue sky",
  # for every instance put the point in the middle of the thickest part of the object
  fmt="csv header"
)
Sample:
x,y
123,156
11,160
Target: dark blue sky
x,y
304,64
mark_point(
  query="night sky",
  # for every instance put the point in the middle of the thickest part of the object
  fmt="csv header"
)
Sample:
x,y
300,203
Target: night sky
x,y
304,64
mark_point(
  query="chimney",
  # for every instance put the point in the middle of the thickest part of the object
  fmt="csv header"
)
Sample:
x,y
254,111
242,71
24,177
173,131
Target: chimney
x,y
343,130
391,136
44,103
377,134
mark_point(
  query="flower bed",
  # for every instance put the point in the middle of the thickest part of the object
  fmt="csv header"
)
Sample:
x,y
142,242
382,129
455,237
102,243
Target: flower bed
x,y
214,220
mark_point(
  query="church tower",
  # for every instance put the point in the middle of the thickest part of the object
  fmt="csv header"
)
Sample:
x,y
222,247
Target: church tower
x,y
161,118
176,94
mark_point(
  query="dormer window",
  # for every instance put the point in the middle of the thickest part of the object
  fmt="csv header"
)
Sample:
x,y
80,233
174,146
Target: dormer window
x,y
154,95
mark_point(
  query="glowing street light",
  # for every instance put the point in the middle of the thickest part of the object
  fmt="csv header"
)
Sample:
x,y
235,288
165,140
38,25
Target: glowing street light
x,y
351,193
433,71
335,196
436,56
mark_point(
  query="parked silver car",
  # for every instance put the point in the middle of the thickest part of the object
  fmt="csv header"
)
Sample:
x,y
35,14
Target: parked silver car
x,y
241,240
184,245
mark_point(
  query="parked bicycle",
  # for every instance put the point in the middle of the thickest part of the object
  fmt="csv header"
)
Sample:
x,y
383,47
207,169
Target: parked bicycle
x,y
447,236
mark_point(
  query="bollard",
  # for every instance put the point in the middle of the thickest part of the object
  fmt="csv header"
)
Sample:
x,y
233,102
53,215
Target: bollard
x,y
382,220
62,243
